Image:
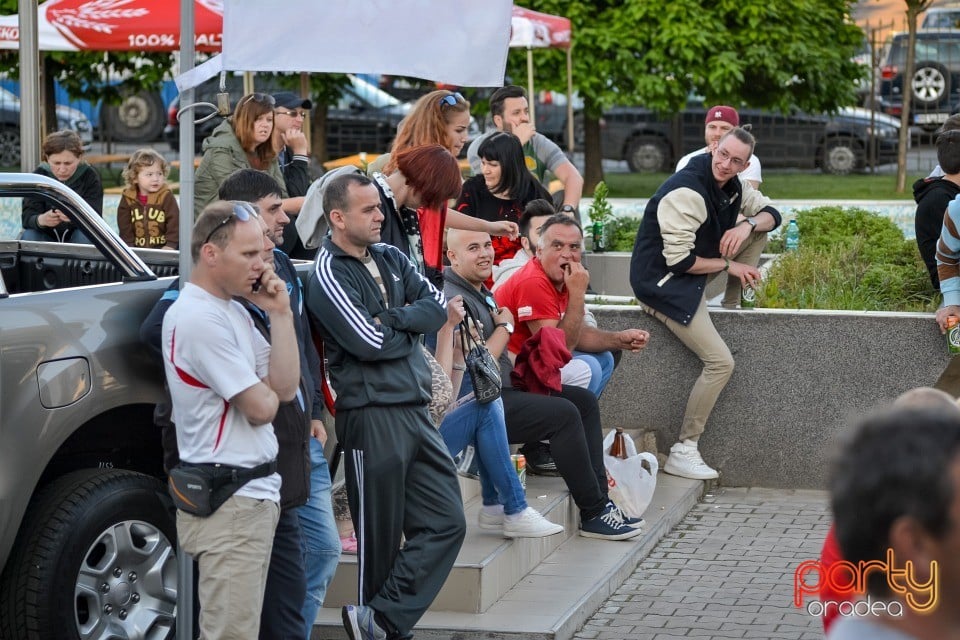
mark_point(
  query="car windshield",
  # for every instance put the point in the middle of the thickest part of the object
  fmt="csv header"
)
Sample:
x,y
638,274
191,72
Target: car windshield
x,y
944,50
372,95
942,19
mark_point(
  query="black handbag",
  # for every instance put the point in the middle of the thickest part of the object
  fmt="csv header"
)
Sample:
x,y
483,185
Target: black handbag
x,y
483,369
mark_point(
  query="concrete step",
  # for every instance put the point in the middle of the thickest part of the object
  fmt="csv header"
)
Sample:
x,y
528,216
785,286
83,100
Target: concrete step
x,y
488,564
553,599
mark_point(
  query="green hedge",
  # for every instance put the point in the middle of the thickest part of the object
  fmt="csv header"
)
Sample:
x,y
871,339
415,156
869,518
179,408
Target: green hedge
x,y
849,258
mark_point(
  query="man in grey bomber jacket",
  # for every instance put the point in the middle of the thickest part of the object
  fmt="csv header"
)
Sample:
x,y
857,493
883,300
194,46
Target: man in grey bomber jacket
x,y
371,307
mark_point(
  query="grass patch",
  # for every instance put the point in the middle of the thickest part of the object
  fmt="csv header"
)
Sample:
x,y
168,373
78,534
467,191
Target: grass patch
x,y
781,186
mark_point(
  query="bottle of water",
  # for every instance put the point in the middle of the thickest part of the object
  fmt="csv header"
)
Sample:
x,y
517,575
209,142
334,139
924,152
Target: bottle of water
x,y
792,236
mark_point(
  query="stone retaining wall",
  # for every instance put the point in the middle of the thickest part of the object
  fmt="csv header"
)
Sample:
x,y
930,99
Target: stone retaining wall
x,y
799,376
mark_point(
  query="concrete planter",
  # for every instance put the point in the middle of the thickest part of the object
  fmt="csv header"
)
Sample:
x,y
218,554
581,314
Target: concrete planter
x,y
799,377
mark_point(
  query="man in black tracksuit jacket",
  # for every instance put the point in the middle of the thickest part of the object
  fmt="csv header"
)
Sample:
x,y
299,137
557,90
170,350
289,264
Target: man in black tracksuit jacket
x,y
372,307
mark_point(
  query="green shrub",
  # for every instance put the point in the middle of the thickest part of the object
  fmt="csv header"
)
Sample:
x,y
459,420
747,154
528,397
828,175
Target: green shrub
x,y
849,258
621,233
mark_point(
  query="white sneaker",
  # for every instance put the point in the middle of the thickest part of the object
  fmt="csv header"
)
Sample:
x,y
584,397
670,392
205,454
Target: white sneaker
x,y
529,524
490,518
685,461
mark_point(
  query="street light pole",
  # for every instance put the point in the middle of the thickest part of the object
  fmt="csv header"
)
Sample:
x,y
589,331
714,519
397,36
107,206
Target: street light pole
x,y
29,87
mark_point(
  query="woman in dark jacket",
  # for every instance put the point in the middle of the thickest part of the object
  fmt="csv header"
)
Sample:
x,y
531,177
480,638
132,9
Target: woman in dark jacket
x,y
501,190
63,160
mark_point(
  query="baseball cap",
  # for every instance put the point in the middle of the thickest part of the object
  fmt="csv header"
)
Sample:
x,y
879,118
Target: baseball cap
x,y
722,113
290,100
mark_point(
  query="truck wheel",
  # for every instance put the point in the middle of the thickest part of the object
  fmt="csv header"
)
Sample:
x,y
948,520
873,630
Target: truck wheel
x,y
647,154
94,559
139,118
841,156
10,147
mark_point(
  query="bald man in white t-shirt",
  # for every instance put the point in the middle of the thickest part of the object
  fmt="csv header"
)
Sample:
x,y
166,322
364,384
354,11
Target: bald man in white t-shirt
x,y
226,383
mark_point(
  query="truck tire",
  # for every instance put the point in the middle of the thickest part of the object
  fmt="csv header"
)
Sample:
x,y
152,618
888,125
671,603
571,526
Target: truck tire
x,y
648,154
10,147
139,118
95,558
841,156
931,83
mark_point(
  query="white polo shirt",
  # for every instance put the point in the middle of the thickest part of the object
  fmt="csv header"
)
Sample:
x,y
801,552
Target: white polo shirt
x,y
212,352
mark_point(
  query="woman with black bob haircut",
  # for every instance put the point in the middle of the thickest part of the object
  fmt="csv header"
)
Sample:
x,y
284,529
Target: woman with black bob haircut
x,y
501,190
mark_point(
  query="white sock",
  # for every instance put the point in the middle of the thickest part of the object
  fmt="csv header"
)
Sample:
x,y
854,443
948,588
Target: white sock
x,y
513,517
492,509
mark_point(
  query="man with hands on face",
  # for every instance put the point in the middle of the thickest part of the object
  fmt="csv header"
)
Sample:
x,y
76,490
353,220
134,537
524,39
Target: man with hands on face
x,y
703,221
226,384
549,291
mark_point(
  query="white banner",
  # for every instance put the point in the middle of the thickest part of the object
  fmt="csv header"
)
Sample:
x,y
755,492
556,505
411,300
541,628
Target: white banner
x,y
457,42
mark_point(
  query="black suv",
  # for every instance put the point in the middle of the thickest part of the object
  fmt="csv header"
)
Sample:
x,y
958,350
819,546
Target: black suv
x,y
365,118
935,80
836,144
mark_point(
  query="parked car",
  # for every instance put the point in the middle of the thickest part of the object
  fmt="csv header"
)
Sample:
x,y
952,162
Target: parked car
x,y
943,17
935,78
67,118
365,118
836,144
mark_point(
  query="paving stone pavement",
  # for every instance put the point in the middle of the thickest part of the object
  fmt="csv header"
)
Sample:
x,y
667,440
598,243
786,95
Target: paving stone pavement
x,y
726,571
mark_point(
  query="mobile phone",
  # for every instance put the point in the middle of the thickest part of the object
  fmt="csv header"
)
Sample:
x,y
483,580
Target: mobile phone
x,y
256,285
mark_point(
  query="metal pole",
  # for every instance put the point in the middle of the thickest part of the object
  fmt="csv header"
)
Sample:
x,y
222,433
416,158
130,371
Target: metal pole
x,y
532,99
29,87
570,141
187,55
187,180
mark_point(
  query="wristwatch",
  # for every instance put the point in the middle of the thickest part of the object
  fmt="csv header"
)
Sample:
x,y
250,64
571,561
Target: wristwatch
x,y
506,325
752,222
568,208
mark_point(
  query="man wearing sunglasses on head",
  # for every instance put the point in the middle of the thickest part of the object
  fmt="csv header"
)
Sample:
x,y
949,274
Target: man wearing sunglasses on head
x,y
226,384
511,113
702,222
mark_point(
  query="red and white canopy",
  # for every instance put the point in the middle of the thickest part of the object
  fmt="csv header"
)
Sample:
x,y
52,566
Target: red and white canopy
x,y
117,25
538,30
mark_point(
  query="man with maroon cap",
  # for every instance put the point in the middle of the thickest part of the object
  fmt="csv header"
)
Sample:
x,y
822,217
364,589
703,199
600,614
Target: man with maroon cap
x,y
718,121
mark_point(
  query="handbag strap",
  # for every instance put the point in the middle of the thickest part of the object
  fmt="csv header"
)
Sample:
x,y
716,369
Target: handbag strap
x,y
467,339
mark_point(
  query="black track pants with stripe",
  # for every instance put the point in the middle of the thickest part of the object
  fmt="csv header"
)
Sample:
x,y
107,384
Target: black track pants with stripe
x,y
400,480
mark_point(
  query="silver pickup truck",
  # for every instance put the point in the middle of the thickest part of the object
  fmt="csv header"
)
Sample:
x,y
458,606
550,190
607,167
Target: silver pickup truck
x,y
87,536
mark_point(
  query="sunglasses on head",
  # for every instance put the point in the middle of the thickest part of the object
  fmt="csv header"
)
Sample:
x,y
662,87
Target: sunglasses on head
x,y
263,98
451,100
242,211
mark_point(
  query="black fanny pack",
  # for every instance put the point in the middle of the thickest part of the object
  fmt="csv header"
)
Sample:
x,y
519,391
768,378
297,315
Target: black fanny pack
x,y
200,489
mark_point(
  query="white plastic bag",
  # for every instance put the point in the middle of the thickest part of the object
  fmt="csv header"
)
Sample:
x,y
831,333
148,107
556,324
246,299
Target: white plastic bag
x,y
629,483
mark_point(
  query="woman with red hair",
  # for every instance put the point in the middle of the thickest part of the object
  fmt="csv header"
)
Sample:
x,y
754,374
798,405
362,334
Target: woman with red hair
x,y
438,118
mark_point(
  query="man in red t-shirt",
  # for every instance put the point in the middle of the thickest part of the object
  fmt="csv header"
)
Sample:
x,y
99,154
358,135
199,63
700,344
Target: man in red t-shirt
x,y
549,291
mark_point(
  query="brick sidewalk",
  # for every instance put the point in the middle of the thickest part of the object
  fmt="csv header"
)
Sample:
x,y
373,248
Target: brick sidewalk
x,y
725,572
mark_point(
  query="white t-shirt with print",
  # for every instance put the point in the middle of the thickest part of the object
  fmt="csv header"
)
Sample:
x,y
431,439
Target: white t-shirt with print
x,y
212,352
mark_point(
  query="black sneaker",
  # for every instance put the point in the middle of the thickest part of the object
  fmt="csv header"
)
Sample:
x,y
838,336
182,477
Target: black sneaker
x,y
608,526
539,460
636,523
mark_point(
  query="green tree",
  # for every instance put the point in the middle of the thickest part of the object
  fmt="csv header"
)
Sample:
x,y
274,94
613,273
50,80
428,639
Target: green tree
x,y
656,53
914,8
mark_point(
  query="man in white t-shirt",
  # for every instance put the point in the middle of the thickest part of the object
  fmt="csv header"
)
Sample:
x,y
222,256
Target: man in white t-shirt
x,y
226,383
718,121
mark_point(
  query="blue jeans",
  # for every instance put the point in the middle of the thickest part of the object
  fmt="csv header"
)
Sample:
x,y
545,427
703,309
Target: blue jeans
x,y
482,425
74,236
321,542
601,368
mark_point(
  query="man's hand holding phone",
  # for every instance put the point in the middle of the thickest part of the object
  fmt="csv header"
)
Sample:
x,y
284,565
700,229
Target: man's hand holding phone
x,y
269,292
